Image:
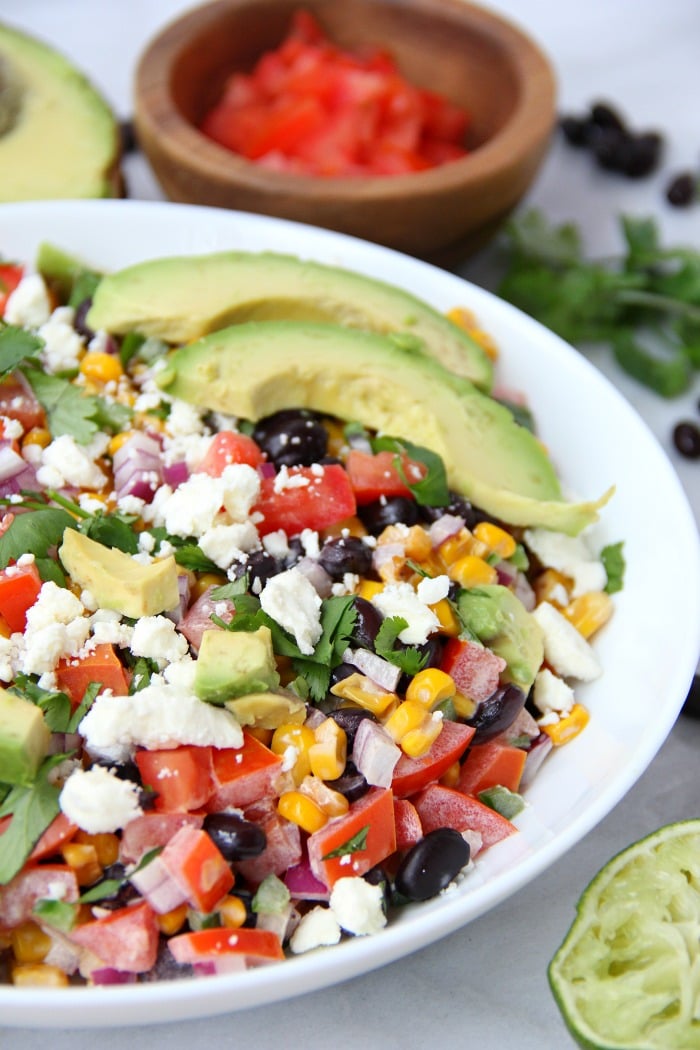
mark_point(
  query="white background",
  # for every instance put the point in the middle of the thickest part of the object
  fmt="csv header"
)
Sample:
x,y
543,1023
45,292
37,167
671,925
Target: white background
x,y
484,986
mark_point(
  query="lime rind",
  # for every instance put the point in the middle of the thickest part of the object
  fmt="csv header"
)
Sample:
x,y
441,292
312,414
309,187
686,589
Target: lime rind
x,y
627,975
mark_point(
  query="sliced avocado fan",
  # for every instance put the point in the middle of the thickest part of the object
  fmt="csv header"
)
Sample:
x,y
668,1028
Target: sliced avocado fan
x,y
252,370
182,298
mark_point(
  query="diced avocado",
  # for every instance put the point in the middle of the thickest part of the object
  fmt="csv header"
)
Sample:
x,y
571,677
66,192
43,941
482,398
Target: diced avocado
x,y
24,739
58,136
233,663
116,580
501,621
183,298
65,274
267,710
252,370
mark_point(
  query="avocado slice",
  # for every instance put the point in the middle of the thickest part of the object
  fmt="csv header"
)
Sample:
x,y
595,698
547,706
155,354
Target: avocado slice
x,y
182,298
252,370
58,136
233,663
24,739
500,620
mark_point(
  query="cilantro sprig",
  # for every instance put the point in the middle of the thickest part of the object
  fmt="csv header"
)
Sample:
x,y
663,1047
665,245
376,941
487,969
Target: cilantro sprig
x,y
409,658
32,809
432,489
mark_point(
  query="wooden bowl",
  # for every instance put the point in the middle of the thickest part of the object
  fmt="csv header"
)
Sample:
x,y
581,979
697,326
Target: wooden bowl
x,y
476,59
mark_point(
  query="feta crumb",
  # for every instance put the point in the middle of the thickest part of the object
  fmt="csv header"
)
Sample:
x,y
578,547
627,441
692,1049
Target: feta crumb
x,y
63,346
284,480
358,906
225,544
157,638
433,589
28,305
569,555
56,627
565,649
399,599
292,600
552,696
98,801
65,462
11,428
317,928
310,542
276,543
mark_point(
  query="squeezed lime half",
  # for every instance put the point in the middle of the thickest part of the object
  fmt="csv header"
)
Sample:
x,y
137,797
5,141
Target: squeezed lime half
x,y
627,976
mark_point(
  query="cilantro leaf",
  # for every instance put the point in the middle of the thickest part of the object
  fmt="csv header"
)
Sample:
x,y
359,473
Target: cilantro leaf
x,y
506,802
32,809
70,411
61,915
613,560
17,345
34,532
353,845
111,530
55,705
429,491
409,658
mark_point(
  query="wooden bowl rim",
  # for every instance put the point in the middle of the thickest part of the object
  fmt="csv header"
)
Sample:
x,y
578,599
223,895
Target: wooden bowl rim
x,y
527,127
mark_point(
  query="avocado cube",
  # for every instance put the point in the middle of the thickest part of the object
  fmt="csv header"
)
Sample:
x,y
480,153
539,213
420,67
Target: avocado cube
x,y
24,739
233,663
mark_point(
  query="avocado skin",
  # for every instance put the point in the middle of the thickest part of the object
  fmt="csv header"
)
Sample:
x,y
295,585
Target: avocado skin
x,y
182,298
254,369
59,137
500,620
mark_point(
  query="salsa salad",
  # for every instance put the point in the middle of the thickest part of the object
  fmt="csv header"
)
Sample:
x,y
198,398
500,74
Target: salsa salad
x,y
264,682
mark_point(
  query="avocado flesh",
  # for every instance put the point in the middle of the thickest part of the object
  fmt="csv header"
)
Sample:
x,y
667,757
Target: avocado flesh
x,y
184,298
59,138
500,620
253,370
24,739
233,663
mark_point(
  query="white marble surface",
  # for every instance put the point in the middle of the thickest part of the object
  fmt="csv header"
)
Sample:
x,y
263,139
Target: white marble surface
x,y
485,985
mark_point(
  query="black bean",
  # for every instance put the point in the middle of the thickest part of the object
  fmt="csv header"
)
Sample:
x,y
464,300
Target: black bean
x,y
342,671
79,319
496,713
349,718
682,189
686,438
345,554
459,506
432,864
127,137
376,516
235,838
292,437
166,968
641,154
367,623
603,115
260,567
609,147
575,130
352,784
691,707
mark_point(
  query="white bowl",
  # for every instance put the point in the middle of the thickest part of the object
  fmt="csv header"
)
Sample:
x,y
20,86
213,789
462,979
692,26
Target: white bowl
x,y
649,650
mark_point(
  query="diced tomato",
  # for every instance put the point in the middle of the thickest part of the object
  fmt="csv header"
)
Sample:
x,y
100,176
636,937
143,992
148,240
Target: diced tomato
x,y
474,669
372,819
152,830
59,831
489,764
181,776
443,807
409,829
412,774
198,867
243,775
126,939
10,276
324,498
102,664
19,589
283,849
32,884
228,447
375,475
17,401
258,946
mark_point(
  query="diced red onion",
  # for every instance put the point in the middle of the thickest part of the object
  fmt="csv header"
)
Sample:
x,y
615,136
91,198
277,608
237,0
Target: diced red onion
x,y
535,757
386,553
444,527
108,975
184,588
314,717
175,473
230,962
138,467
374,753
381,672
506,573
317,575
475,841
303,884
267,470
11,463
523,590
156,885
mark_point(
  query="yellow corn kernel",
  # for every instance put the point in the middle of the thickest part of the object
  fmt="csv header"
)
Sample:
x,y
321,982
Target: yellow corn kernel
x,y
232,912
464,705
449,624
495,538
328,754
261,734
331,802
450,778
118,440
589,612
299,737
567,728
29,943
101,368
106,846
82,858
172,921
5,631
302,810
472,571
454,548
417,742
362,691
430,686
408,715
203,582
347,527
37,975
553,587
369,588
37,436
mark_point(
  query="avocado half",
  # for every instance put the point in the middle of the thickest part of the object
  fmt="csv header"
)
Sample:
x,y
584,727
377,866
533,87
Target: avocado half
x,y
254,369
58,136
182,298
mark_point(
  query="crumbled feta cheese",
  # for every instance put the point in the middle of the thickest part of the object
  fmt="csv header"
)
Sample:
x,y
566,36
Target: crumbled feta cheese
x,y
569,555
310,542
106,627
183,419
400,599
358,905
225,544
552,696
433,589
28,305
565,649
9,657
284,480
195,506
98,801
317,928
130,505
56,627
156,638
100,343
65,462
11,428
181,673
63,346
89,503
292,600
147,542
276,544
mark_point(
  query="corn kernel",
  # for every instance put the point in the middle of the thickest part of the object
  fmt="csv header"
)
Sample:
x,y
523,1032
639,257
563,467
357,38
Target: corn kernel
x,y
37,975
261,734
567,728
106,846
472,571
369,588
430,686
101,368
203,582
29,943
589,612
328,753
347,527
417,742
299,737
301,810
449,623
553,587
496,539
408,715
82,858
331,802
362,691
37,436
450,778
232,912
455,547
464,706
172,921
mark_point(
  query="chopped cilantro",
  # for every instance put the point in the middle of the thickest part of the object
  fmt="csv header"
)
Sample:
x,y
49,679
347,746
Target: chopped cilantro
x,y
34,533
432,489
16,346
354,844
613,561
410,659
32,809
70,411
